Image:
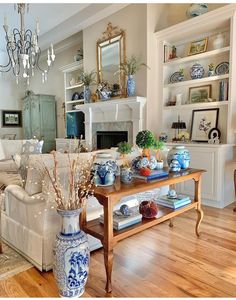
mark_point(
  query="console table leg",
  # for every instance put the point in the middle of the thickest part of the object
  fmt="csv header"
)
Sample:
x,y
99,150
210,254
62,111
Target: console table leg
x,y
197,198
199,220
108,258
108,243
171,224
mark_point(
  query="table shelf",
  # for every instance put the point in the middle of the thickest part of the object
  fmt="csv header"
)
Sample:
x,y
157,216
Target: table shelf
x,y
164,213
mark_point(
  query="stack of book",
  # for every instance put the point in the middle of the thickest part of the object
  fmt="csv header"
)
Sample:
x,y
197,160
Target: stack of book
x,y
177,202
120,221
155,174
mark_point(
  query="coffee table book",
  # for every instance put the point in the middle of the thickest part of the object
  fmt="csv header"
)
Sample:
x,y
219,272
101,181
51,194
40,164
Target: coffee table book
x,y
156,174
121,221
174,203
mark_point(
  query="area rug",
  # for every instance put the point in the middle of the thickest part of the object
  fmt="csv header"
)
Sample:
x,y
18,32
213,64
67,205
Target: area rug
x,y
12,263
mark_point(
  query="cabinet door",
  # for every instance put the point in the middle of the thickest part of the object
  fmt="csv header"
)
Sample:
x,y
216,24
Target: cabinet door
x,y
26,119
206,159
35,117
48,123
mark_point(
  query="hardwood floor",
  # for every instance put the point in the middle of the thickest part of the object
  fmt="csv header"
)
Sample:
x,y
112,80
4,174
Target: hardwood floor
x,y
159,262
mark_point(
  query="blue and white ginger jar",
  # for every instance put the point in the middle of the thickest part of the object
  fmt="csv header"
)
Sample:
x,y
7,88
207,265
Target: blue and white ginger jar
x,y
197,71
71,256
104,170
140,162
179,154
126,175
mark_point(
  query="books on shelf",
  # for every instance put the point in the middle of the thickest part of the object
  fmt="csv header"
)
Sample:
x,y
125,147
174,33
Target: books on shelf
x,y
120,221
179,201
155,174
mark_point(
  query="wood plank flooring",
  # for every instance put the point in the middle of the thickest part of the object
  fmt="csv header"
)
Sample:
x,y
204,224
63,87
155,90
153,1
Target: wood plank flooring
x,y
159,262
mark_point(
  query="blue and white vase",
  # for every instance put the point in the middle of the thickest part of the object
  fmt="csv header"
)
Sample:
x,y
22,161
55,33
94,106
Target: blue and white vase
x,y
178,154
71,255
87,94
104,170
197,9
197,71
130,86
126,175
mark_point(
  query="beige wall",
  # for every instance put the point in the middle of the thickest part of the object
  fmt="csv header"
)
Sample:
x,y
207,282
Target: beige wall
x,y
10,99
133,20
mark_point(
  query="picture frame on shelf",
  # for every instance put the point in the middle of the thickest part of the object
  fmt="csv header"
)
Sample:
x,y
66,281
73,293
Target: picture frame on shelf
x,y
198,46
203,120
11,118
198,94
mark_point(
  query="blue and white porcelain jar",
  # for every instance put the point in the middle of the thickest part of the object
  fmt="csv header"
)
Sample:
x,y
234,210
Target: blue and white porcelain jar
x,y
130,86
104,170
179,154
126,175
197,71
71,255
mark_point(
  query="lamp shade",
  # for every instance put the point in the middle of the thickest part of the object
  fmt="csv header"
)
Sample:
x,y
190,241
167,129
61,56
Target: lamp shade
x,y
178,125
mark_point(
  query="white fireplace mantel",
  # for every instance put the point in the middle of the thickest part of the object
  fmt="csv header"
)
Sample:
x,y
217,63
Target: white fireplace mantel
x,y
118,110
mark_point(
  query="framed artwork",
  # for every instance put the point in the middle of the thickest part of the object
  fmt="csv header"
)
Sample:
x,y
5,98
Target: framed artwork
x,y
199,93
197,47
203,120
11,118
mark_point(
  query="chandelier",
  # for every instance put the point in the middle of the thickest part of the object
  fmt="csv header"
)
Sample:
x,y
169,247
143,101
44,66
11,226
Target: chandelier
x,y
23,49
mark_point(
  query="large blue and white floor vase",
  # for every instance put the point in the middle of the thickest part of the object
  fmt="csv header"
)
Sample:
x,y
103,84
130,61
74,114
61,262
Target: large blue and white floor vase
x,y
71,256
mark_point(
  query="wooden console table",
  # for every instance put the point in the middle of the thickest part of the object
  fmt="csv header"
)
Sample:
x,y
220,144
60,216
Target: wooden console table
x,y
109,196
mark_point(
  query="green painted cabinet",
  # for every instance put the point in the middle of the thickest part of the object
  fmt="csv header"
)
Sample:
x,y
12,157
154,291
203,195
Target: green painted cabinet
x,y
39,119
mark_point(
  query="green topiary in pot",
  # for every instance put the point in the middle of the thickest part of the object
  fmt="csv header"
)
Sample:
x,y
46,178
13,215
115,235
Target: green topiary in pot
x,y
124,148
145,140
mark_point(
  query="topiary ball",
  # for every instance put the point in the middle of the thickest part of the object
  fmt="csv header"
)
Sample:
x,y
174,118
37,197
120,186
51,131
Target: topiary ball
x,y
145,139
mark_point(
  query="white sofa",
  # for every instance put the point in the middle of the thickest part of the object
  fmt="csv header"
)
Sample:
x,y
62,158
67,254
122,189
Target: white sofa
x,y
29,223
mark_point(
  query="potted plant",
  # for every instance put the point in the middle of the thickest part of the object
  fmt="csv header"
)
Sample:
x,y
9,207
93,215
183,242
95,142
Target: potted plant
x,y
157,147
87,78
145,140
129,68
211,67
125,148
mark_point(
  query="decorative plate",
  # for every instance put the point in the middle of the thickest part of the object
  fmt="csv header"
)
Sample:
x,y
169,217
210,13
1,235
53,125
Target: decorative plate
x,y
222,68
175,77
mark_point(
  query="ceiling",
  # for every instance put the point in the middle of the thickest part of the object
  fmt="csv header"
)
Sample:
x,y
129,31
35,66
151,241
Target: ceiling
x,y
57,20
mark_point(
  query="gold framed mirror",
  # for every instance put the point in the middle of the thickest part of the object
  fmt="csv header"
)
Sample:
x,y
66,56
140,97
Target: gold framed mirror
x,y
110,54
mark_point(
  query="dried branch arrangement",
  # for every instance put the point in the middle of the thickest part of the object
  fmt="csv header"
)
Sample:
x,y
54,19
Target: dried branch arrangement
x,y
72,192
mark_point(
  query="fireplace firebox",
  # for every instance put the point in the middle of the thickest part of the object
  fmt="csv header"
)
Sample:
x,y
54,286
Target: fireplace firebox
x,y
108,139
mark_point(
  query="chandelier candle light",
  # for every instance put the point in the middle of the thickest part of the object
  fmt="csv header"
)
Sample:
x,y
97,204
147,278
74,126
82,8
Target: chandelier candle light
x,y
23,49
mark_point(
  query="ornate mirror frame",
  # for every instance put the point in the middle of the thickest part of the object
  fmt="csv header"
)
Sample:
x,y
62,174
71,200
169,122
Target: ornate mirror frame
x,y
110,36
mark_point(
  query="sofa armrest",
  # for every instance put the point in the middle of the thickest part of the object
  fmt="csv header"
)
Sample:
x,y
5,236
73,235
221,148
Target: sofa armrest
x,y
20,194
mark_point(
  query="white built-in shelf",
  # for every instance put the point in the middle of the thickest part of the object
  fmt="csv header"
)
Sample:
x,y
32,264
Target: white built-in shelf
x,y
74,86
196,81
196,105
75,101
190,58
